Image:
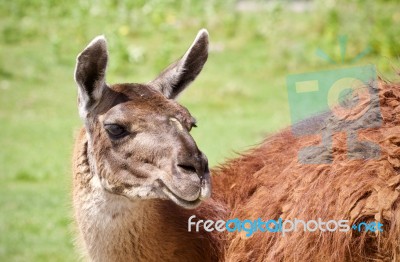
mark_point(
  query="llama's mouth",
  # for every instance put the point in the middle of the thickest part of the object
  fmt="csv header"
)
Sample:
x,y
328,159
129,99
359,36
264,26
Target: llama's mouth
x,y
204,193
180,201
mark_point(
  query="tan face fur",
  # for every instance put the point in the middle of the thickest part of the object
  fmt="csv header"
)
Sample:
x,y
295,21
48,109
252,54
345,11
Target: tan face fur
x,y
139,143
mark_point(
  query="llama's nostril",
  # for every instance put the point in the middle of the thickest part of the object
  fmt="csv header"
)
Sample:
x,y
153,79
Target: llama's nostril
x,y
187,168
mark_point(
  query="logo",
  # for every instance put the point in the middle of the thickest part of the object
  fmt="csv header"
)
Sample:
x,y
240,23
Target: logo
x,y
283,227
327,102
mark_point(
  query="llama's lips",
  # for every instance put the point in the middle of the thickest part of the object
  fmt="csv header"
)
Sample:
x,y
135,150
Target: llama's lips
x,y
178,200
205,186
205,192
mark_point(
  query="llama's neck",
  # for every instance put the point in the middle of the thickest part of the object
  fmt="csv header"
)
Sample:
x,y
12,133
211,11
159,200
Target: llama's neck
x,y
114,228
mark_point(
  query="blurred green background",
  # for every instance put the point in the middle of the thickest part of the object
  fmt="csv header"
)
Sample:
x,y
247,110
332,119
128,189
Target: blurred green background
x,y
239,98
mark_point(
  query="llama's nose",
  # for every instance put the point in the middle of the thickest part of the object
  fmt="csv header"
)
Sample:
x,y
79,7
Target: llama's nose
x,y
194,164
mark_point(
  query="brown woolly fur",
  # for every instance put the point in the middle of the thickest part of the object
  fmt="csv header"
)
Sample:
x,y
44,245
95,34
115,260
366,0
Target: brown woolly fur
x,y
268,182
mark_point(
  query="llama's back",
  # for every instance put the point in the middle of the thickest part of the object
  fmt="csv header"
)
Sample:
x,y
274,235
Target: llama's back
x,y
268,182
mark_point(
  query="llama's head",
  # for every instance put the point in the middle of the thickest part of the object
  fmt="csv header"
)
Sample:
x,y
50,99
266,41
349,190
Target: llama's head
x,y
139,143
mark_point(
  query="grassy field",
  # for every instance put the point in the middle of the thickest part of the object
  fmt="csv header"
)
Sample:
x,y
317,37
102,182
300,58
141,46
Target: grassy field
x,y
239,98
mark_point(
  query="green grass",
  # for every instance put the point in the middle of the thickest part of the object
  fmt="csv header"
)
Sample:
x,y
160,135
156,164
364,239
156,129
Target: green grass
x,y
238,99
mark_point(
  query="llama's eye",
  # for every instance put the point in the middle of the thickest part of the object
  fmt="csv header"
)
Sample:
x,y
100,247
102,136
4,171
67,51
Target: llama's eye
x,y
115,131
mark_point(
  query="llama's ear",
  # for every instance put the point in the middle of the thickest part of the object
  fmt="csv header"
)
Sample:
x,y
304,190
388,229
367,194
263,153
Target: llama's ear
x,y
180,74
90,72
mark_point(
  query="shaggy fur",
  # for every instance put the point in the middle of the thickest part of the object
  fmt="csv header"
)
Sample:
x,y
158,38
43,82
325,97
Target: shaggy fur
x,y
269,182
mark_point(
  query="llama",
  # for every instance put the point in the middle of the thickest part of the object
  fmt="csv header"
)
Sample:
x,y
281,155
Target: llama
x,y
138,176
